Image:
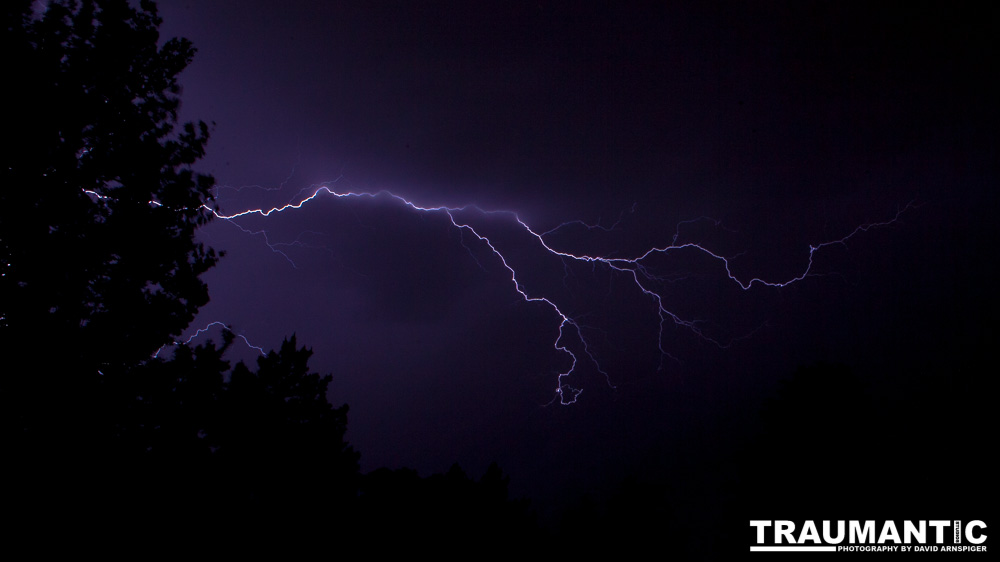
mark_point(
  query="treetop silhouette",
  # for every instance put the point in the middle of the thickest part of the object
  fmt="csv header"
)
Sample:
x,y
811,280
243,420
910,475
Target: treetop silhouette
x,y
99,268
99,205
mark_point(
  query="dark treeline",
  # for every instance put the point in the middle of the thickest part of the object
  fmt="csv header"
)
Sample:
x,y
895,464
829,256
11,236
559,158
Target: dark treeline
x,y
100,269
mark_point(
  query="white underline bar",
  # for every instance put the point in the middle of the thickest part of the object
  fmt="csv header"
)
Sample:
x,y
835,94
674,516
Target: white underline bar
x,y
793,549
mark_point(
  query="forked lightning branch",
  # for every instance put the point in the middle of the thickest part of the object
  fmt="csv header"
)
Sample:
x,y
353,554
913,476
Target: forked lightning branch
x,y
633,268
569,339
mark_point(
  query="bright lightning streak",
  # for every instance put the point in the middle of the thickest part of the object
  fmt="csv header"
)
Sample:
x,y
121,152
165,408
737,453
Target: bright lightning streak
x,y
632,267
206,328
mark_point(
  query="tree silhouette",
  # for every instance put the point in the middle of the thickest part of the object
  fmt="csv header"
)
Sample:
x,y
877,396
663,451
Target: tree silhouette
x,y
98,205
100,268
446,511
281,438
242,448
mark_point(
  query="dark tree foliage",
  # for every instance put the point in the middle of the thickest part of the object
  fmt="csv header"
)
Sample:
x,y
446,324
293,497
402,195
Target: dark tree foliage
x,y
235,448
447,512
99,268
281,437
99,265
98,203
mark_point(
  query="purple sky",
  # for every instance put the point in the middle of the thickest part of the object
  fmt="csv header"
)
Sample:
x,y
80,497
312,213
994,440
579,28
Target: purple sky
x,y
790,123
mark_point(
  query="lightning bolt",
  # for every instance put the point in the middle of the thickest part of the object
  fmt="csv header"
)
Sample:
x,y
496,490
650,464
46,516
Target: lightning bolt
x,y
634,267
206,328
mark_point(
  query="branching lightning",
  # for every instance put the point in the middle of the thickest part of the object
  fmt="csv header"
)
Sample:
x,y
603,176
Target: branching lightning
x,y
206,328
633,267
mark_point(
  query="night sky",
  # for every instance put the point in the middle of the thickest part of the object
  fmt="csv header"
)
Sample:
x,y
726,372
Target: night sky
x,y
788,124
